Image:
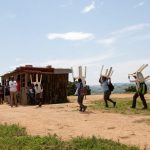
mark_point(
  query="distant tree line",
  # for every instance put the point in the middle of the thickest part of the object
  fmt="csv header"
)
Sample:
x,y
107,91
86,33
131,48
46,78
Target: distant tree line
x,y
72,88
130,89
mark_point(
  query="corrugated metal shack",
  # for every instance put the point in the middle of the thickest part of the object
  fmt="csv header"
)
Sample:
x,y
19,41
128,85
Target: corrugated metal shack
x,y
54,82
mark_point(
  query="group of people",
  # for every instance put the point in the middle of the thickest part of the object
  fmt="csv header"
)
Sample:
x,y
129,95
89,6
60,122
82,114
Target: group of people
x,y
11,93
35,94
1,94
105,84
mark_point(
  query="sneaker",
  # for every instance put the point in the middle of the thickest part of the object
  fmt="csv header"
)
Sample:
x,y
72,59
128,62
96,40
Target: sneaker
x,y
132,107
84,109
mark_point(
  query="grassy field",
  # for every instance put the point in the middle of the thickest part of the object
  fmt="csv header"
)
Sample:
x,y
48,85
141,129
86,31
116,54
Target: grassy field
x,y
13,137
123,106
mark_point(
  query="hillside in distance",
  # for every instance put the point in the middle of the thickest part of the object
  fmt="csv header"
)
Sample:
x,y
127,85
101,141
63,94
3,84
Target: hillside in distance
x,y
119,87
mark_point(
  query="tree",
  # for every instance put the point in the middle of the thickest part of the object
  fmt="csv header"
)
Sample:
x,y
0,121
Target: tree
x,y
130,89
71,88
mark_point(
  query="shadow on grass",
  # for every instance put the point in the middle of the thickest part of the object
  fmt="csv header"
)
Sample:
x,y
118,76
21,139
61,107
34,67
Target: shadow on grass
x,y
122,107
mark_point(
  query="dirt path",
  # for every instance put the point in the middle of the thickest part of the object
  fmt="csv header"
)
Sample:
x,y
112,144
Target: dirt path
x,y
67,122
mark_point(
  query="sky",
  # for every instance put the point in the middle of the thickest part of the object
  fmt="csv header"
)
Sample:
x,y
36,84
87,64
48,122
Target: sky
x,y
72,33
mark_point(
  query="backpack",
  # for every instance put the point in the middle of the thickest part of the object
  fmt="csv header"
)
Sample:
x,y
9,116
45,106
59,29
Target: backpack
x,y
110,86
143,88
82,91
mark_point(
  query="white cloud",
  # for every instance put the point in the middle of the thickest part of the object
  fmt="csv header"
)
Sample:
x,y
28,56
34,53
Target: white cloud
x,y
70,36
130,32
65,63
132,28
107,41
142,37
93,64
92,61
76,62
89,7
139,4
18,59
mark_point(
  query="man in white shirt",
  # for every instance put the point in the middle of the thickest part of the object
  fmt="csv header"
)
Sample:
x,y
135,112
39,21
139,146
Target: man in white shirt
x,y
13,91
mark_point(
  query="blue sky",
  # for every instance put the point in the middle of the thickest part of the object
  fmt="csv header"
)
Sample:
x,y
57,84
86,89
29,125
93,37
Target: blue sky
x,y
69,33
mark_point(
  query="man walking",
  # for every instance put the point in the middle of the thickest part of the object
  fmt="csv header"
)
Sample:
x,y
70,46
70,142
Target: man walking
x,y
141,89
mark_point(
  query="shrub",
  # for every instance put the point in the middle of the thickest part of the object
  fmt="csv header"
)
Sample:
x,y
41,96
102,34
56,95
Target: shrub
x,y
130,89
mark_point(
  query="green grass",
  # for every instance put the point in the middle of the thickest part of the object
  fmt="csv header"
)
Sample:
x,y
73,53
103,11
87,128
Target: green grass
x,y
13,137
122,106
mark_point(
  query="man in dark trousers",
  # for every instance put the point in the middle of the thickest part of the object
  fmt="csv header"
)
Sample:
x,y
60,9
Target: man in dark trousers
x,y
80,94
141,89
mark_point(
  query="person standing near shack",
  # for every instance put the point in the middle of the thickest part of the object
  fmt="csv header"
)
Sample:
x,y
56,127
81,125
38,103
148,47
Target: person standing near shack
x,y
18,94
31,94
105,82
80,93
13,91
38,94
1,94
7,92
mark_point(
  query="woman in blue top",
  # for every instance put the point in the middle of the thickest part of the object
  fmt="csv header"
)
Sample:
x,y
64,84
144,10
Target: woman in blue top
x,y
104,83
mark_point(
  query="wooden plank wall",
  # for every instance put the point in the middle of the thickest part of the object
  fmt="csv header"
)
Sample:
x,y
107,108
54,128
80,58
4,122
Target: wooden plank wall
x,y
55,88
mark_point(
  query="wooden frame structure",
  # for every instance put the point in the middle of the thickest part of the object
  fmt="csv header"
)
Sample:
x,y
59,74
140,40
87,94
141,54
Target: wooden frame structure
x,y
54,81
108,72
139,75
80,75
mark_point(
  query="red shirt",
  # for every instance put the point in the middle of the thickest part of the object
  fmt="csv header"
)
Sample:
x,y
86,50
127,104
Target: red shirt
x,y
18,85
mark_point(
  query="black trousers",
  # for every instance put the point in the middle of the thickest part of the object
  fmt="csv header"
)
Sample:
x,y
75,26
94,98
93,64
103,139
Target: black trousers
x,y
136,95
80,101
107,98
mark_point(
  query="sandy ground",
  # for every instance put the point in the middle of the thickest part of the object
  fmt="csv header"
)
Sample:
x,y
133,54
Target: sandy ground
x,y
66,121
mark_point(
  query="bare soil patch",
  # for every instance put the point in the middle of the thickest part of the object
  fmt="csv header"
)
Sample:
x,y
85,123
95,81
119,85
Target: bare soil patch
x,y
66,121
